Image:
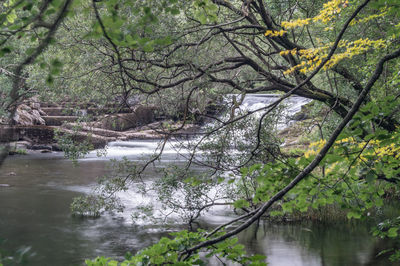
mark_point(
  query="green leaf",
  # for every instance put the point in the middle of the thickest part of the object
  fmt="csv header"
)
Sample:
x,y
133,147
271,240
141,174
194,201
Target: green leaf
x,y
148,48
241,203
354,215
50,79
175,11
30,51
56,63
370,177
5,50
392,232
199,262
55,71
56,3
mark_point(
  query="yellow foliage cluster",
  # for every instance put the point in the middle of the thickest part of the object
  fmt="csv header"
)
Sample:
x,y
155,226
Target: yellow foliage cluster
x,y
371,148
287,52
389,150
330,10
273,33
346,140
311,58
379,152
296,23
356,47
314,148
382,13
330,168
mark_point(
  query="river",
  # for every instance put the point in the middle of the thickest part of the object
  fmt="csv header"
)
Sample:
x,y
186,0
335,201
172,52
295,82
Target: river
x,y
35,212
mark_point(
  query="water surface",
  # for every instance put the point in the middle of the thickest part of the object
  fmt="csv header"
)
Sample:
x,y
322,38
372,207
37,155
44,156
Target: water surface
x,y
35,212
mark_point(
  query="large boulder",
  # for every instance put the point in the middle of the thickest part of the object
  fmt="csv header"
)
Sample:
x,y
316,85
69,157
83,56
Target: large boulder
x,y
27,116
140,115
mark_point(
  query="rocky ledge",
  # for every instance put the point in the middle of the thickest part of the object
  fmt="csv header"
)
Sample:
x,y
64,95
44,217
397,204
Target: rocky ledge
x,y
37,124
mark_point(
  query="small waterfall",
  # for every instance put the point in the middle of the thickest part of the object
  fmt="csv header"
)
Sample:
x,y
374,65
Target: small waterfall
x,y
136,149
252,102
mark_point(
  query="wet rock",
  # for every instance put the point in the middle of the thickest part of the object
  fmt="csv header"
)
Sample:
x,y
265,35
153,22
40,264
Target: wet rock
x,y
45,151
58,111
300,116
20,145
55,147
90,128
4,185
141,115
40,147
59,120
144,134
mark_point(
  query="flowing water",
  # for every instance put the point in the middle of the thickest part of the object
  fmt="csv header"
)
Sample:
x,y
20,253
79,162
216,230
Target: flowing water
x,y
254,102
34,211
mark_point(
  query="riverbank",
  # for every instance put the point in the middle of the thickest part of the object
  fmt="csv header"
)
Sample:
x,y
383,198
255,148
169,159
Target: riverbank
x,y
27,139
40,125
98,130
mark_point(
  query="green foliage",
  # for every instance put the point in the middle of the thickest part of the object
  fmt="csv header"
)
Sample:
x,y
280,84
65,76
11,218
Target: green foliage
x,y
205,11
171,251
72,144
353,176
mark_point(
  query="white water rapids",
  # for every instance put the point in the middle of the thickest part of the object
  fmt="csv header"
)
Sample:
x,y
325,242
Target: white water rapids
x,y
173,153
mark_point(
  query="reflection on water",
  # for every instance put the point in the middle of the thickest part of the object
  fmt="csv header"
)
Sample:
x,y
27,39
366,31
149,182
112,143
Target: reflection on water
x,y
311,244
35,212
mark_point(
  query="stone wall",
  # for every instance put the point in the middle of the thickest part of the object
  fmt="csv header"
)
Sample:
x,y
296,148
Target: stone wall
x,y
8,134
37,134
